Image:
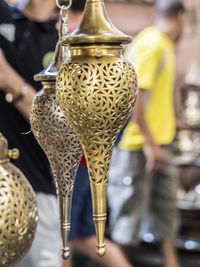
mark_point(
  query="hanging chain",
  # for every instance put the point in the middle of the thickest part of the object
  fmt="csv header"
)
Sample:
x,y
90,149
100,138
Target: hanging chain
x,y
62,52
64,5
63,22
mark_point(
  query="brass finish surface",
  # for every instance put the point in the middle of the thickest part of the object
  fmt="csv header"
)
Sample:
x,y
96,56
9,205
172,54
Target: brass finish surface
x,y
61,146
96,89
18,210
95,27
54,134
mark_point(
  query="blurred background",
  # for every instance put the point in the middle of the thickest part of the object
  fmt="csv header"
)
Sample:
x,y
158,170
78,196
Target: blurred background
x,y
131,17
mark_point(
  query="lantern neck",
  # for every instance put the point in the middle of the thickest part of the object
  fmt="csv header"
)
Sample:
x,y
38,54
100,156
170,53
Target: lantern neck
x,y
48,74
93,50
49,87
96,27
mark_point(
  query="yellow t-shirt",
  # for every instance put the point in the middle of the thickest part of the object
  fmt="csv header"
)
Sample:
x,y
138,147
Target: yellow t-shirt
x,y
152,54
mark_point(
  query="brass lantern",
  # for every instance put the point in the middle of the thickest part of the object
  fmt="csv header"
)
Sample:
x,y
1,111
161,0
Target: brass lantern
x,y
18,209
60,144
96,89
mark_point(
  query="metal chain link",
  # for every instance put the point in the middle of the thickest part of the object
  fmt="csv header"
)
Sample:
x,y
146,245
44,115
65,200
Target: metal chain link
x,y
64,4
62,51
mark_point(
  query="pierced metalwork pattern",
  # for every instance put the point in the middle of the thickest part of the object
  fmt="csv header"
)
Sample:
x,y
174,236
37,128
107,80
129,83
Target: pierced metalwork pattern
x,y
18,215
97,98
57,139
63,150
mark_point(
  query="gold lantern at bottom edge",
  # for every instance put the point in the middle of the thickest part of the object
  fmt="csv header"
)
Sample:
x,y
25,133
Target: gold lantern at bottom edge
x,y
18,209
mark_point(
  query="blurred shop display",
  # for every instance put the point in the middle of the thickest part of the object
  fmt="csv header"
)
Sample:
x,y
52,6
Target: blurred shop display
x,y
189,205
186,149
192,18
186,146
186,155
193,76
191,113
190,97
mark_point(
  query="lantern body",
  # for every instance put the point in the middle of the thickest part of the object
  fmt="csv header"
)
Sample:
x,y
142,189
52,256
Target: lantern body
x,y
62,148
97,94
18,211
96,89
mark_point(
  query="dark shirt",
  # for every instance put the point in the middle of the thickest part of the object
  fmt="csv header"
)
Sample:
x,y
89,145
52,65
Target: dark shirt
x,y
26,45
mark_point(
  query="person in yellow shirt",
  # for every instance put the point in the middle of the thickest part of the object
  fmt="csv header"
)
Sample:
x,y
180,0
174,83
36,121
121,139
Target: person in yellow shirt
x,y
143,181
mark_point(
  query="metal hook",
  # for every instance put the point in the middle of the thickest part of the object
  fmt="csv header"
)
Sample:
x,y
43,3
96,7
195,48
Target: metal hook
x,y
64,4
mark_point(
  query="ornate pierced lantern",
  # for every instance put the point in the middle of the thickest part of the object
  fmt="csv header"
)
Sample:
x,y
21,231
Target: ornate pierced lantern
x,y
96,89
18,209
60,144
54,134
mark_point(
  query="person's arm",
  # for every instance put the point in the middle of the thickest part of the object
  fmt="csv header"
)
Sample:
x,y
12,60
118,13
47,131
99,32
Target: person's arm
x,y
153,153
146,57
11,82
5,13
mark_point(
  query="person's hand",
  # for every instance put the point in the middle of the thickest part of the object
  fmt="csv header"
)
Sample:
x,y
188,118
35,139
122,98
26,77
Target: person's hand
x,y
5,72
155,157
12,84
10,80
180,125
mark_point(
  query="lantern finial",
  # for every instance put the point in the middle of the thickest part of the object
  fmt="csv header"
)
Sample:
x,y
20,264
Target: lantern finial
x,y
96,27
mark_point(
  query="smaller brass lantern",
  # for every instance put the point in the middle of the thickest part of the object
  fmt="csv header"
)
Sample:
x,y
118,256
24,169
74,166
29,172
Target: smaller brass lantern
x,y
96,89
60,144
18,209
